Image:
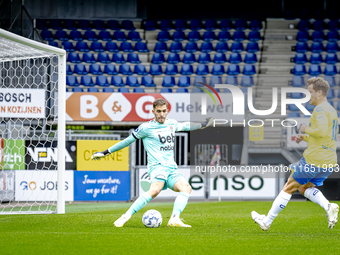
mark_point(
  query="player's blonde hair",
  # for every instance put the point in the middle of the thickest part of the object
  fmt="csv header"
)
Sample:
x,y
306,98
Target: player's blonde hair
x,y
160,102
319,84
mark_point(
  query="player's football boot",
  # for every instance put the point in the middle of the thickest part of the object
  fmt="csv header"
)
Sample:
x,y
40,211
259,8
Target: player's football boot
x,y
332,215
258,218
122,220
175,221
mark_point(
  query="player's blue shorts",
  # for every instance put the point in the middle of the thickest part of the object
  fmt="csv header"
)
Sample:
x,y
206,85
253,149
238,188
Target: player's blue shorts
x,y
169,176
304,173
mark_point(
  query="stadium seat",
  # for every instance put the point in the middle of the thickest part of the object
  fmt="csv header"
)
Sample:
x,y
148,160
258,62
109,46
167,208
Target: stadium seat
x,y
84,24
133,58
128,25
73,57
68,46
41,24
299,70
97,47
163,36
330,70
189,58
77,89
204,58
72,80
173,58
330,80
338,108
105,35
249,69
82,46
333,36
318,25
108,90
186,69
210,24
158,58
224,36
250,58
168,81
176,47
241,24
330,94
183,81
298,81
110,69
233,70
147,81
236,47
197,90
194,36
95,69
314,70
119,35
331,58
296,95
220,58
196,24
301,47
47,35
117,81
155,69
302,36
217,70
316,47
166,24
309,107
235,58
293,115
200,79
206,47
254,36
318,36
332,47
111,47
113,25
303,25
181,24
80,69
333,25
125,69
98,24
134,36
132,81
215,80
252,47
256,25
178,36
123,90
182,90
202,69
239,36
101,80
103,58
166,90
191,47
118,58
86,80
171,69
226,24
293,107
315,58
247,81
150,25
93,90
88,57
161,47
68,70
138,90
90,35
61,35
126,47
75,35
140,70
221,47
209,36
141,47
232,80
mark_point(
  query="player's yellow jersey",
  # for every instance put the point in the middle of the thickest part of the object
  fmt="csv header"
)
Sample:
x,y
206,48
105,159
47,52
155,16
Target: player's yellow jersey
x,y
323,132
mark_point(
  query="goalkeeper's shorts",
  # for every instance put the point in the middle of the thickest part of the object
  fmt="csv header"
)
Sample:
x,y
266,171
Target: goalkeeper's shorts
x,y
165,174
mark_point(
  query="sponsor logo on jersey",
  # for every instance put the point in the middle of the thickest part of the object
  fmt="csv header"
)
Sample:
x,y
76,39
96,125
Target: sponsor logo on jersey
x,y
164,139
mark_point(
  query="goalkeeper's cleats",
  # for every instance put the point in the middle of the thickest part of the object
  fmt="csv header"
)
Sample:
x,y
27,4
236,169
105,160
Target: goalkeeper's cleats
x,y
122,220
207,122
259,219
99,155
175,221
332,215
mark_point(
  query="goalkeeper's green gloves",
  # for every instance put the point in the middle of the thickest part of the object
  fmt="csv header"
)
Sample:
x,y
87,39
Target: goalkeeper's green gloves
x,y
207,122
100,154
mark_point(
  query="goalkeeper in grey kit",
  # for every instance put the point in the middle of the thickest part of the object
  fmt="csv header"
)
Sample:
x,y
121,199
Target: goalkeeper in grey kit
x,y
158,136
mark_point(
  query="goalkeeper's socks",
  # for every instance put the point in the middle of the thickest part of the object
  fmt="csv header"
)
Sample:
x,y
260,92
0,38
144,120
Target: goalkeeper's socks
x,y
180,203
139,203
317,197
279,204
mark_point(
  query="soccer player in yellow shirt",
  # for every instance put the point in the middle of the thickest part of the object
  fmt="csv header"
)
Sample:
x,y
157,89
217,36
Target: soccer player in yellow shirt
x,y
318,161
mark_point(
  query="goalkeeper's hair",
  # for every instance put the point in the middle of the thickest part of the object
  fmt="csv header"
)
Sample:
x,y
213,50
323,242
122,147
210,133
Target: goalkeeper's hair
x,y
160,102
319,84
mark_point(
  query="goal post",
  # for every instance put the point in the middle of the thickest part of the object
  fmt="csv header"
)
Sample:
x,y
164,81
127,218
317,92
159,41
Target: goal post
x,y
38,72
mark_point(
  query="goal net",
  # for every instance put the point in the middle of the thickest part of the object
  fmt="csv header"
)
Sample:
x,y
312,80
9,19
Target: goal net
x,y
32,126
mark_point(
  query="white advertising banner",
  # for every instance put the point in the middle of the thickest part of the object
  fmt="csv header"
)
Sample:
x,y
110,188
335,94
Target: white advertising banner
x,y
22,103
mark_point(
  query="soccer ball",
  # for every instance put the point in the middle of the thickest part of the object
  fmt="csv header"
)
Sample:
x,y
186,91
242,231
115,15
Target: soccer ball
x,y
152,219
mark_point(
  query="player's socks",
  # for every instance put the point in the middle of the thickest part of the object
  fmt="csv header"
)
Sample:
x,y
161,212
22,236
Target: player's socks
x,y
278,205
139,203
180,203
316,196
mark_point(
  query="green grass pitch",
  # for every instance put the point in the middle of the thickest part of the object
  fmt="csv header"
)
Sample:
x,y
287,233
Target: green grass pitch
x,y
217,228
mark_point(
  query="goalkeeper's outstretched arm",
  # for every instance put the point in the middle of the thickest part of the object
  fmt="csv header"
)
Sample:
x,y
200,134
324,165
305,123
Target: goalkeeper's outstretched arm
x,y
118,146
189,126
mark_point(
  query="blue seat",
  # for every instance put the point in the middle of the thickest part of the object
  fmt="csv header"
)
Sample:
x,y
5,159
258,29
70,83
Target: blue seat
x,y
168,81
72,80
318,25
215,80
80,69
235,58
333,25
233,70
220,58
101,80
256,25
111,47
108,90
147,81
204,58
210,24
103,58
171,69
331,58
90,35
128,25
88,57
209,36
105,35
187,69
117,81
138,90
133,58
93,90
110,69
173,58
316,47
206,47
166,24
118,58
176,47
73,57
160,47
249,69
95,69
241,24
82,46
68,70
330,70
236,47
250,58
202,69
314,70
224,36
315,58
198,80
303,25
194,36
182,90
332,36
119,35
293,107
247,81
331,103
293,115
299,70
132,81
98,24
126,47
155,69
113,24
163,36
75,35
150,25
221,47
77,89
42,24
141,47
330,80
254,36
47,35
301,47
296,95
318,36
338,108
330,94
183,81
332,47
84,24
166,90
232,80
191,47
158,58
134,36
178,36
196,24
217,70
123,90
97,47
181,24
239,36
189,58
86,80
309,107
226,24
61,35
302,36
197,90
140,70
68,46
125,69
298,81
252,47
